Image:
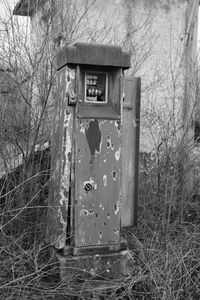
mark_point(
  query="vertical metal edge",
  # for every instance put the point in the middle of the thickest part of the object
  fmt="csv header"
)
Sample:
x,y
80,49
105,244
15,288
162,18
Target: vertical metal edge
x,y
137,133
74,188
121,115
72,185
72,176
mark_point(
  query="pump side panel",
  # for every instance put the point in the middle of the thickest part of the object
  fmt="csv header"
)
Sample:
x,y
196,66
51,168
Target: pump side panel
x,y
61,153
97,165
130,145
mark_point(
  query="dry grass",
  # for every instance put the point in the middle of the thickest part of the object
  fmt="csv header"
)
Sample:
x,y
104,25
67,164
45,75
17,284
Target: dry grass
x,y
165,242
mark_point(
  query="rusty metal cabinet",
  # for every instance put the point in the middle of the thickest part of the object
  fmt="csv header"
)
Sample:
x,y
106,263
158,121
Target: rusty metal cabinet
x,y
91,192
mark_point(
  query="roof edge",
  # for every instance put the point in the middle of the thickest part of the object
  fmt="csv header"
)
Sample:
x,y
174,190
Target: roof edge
x,y
93,54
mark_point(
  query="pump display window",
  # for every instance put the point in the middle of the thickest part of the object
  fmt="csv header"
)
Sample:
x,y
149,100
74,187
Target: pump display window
x,y
96,87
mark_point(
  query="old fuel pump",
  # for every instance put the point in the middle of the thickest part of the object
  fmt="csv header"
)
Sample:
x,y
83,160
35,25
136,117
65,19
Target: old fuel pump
x,y
85,203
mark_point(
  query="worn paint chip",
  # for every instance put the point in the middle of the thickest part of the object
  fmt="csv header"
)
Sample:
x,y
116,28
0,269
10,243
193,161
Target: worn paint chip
x,y
105,180
114,175
84,212
118,154
118,126
116,209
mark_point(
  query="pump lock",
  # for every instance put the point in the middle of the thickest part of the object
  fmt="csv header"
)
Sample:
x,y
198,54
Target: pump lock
x,y
88,187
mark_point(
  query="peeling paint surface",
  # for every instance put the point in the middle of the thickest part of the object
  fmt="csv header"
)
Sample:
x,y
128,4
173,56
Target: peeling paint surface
x,y
61,159
97,162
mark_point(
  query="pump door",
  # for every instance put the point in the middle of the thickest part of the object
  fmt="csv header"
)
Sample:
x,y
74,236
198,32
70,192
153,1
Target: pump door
x,y
98,164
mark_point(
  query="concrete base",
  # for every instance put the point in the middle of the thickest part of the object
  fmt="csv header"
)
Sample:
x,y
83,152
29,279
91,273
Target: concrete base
x,y
97,266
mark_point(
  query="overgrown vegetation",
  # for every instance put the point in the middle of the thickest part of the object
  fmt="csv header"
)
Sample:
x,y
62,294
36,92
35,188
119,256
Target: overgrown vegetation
x,y
165,246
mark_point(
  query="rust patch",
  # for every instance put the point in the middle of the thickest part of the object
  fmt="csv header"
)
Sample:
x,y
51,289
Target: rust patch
x,y
108,143
84,212
93,136
114,175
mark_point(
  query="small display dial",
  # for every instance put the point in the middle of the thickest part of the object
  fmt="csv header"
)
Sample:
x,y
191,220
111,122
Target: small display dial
x,y
96,87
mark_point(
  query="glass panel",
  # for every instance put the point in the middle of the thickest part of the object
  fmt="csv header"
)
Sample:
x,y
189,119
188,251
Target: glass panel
x,y
96,87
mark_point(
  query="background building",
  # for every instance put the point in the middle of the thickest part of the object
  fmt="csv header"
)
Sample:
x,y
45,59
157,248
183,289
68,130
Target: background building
x,y
162,39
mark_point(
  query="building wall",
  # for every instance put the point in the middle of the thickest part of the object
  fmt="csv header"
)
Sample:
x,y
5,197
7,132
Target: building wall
x,y
162,70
